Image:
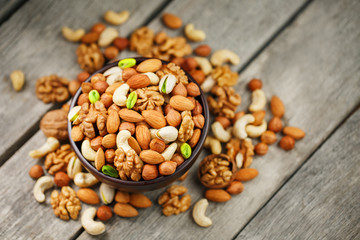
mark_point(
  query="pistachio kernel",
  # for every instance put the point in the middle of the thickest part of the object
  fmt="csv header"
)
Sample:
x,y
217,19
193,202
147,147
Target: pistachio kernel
x,y
94,96
131,100
185,150
110,171
127,63
74,113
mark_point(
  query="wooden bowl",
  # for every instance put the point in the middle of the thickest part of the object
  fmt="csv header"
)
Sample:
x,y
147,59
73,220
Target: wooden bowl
x,y
141,186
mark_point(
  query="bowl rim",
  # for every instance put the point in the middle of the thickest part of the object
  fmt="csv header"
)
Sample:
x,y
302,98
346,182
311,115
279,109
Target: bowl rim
x,y
127,183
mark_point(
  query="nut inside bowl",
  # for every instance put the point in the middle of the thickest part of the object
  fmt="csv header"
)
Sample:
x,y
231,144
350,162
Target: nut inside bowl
x,y
142,185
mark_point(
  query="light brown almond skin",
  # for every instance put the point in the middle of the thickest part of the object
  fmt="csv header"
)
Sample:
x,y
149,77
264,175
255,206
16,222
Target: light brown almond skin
x,y
87,195
268,137
173,118
275,124
99,159
198,75
259,116
261,148
171,21
193,90
138,81
217,195
125,210
287,143
203,50
143,136
36,171
150,65
195,138
235,187
198,109
246,174
179,89
151,157
109,140
128,73
181,103
154,118
90,37
178,159
127,126
224,121
199,120
294,132
95,143
83,98
112,122
167,168
109,155
149,172
111,89
130,115
157,145
104,213
98,27
139,200
277,107
122,197
106,99
76,134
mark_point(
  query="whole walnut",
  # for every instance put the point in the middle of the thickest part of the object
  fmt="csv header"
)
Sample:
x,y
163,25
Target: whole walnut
x,y
54,124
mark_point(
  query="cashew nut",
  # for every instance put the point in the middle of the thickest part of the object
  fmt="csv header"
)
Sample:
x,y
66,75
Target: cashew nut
x,y
258,100
220,133
41,185
240,124
74,167
239,159
87,221
107,193
213,144
169,151
87,151
154,79
168,133
224,55
193,34
119,97
116,18
122,140
256,131
199,213
107,36
113,75
208,84
72,35
85,179
204,64
153,133
49,146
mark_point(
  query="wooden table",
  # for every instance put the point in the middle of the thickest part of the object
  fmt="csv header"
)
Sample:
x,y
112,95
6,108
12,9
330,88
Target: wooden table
x,y
306,52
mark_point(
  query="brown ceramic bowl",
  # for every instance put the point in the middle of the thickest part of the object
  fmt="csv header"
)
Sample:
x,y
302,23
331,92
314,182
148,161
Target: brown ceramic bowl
x,y
142,185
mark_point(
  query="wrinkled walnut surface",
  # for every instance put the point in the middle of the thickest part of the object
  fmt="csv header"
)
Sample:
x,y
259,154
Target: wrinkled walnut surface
x,y
171,47
129,165
224,76
175,70
90,115
142,41
148,98
186,129
54,124
52,89
247,149
58,160
172,203
90,57
226,102
65,204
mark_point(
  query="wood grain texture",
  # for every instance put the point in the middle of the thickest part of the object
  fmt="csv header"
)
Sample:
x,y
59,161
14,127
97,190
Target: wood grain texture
x,y
322,200
8,7
31,40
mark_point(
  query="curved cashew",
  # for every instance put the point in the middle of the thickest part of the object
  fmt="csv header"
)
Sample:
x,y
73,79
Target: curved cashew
x,y
116,18
49,146
122,140
85,179
87,221
204,64
119,97
199,213
258,100
213,144
41,185
107,36
113,74
256,131
72,35
220,133
107,193
193,34
240,124
239,159
169,151
74,167
168,133
224,55
208,84
87,151
154,79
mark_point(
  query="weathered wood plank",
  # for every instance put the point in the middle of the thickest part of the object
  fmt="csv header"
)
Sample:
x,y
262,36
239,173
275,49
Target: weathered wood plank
x,y
312,65
322,200
8,7
31,41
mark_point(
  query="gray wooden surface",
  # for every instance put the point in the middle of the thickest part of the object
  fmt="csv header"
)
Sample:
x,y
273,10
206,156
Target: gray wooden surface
x,y
311,63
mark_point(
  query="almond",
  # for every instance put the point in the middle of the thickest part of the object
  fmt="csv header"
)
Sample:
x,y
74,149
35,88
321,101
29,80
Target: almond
x,y
76,134
109,140
277,107
112,122
179,89
151,157
104,213
195,138
181,103
99,159
259,116
193,89
149,172
122,197
167,168
138,81
90,37
171,21
198,75
88,196
268,137
203,50
134,145
217,195
294,132
130,115
154,118
199,120
143,136
127,126
173,118
139,200
235,187
128,73
275,125
150,65
157,145
125,210
95,143
287,143
246,174
111,89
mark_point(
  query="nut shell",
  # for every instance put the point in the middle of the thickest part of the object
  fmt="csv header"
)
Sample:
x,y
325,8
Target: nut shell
x,y
54,124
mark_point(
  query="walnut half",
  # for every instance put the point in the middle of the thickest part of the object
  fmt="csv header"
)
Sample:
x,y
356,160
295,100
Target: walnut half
x,y
65,204
171,202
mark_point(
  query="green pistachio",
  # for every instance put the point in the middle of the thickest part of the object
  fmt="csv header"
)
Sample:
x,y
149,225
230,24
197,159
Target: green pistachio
x,y
94,96
74,113
131,100
185,150
127,62
163,88
110,171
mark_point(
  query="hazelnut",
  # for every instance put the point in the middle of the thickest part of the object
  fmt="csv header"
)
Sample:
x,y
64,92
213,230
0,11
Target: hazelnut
x,y
255,84
128,73
121,43
275,125
198,109
179,89
203,50
111,52
157,145
261,148
73,86
199,121
189,64
36,171
178,159
173,118
97,77
76,134
178,61
100,86
106,99
61,179
81,77
104,213
198,76
193,89
109,155
237,116
96,143
287,143
268,137
98,27
224,121
83,98
127,126
86,87
149,172
167,167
